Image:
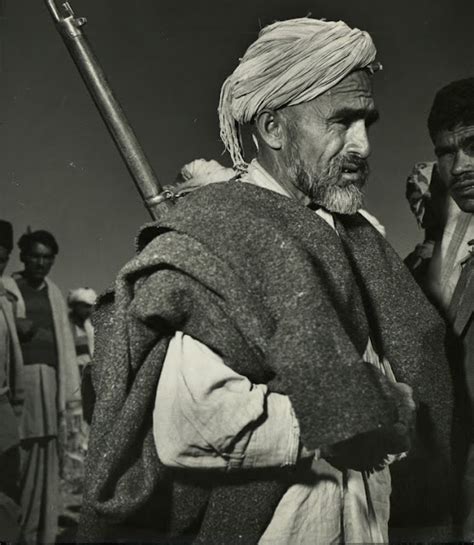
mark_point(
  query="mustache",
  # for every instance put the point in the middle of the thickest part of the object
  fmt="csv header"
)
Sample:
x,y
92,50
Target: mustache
x,y
350,163
465,177
354,162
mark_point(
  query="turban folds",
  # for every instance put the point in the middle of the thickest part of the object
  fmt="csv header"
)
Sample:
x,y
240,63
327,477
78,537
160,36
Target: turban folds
x,y
291,62
418,189
82,295
201,172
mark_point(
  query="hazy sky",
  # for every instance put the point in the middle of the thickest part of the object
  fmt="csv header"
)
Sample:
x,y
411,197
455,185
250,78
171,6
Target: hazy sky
x,y
166,60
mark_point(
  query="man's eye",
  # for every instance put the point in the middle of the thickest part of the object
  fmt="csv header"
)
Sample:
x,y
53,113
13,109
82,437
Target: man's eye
x,y
444,153
469,149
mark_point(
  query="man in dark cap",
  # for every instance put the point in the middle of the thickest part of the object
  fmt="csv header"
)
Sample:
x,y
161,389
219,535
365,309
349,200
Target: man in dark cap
x,y
11,399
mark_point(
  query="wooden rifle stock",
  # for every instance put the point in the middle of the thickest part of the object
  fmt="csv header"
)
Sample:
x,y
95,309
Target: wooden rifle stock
x,y
70,27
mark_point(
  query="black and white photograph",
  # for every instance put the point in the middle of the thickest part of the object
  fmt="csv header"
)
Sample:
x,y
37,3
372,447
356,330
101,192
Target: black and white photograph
x,y
236,272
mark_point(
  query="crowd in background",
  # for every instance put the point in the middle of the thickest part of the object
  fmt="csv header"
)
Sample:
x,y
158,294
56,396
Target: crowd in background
x,y
47,344
46,348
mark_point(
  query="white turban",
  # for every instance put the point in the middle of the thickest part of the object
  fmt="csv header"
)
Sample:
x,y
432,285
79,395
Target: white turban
x,y
201,172
291,62
82,295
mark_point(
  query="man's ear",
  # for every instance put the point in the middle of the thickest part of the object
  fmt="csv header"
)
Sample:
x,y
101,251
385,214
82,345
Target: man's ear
x,y
270,128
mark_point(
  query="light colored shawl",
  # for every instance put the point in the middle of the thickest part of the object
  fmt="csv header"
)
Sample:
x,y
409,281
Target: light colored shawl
x,y
69,391
14,360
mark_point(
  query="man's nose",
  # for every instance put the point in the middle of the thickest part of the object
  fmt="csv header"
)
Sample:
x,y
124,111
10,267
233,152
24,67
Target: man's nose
x,y
358,139
462,163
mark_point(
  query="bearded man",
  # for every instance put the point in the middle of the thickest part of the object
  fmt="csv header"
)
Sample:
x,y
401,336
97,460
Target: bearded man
x,y
247,363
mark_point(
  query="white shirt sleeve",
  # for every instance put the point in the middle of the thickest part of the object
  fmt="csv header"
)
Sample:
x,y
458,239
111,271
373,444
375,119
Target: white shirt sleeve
x,y
208,416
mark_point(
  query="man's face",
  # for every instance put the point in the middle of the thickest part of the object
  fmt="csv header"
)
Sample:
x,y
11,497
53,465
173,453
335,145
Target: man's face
x,y
4,257
82,310
455,151
329,144
38,262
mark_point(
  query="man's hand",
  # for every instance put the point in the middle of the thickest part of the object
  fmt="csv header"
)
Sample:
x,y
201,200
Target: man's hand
x,y
399,437
405,402
363,452
369,451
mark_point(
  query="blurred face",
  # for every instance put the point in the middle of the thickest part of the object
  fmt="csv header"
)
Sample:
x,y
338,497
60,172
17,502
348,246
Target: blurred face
x,y
329,144
38,262
82,310
4,257
455,152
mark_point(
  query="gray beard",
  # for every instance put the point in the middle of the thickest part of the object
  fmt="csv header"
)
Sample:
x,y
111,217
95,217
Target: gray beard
x,y
328,190
341,200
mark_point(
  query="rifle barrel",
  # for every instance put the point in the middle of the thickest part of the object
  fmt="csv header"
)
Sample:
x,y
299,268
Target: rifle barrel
x,y
145,179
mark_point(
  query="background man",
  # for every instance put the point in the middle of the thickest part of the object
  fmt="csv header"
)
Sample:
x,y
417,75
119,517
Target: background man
x,y
51,385
445,273
81,301
265,322
11,400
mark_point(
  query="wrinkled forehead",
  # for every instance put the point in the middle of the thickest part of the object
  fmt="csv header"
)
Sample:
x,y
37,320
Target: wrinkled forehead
x,y
354,88
455,136
352,94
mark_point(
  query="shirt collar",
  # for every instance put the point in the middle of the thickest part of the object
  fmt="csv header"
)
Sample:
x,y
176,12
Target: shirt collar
x,y
257,175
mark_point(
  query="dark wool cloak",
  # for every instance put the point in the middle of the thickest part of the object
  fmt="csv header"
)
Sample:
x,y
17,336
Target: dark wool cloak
x,y
270,287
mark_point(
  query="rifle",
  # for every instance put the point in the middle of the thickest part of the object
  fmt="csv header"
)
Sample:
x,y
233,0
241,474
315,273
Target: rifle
x,y
69,26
